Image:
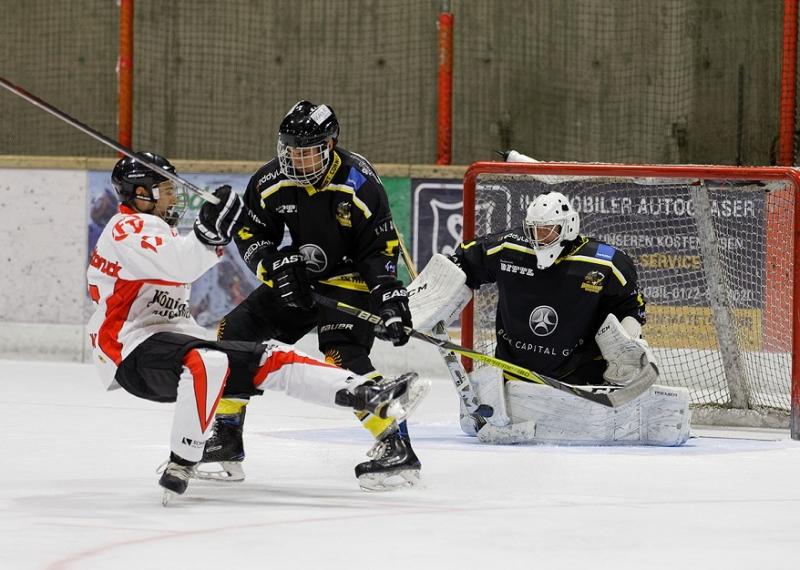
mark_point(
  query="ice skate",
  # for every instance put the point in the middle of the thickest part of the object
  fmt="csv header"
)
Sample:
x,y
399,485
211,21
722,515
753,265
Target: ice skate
x,y
394,465
175,477
387,397
225,449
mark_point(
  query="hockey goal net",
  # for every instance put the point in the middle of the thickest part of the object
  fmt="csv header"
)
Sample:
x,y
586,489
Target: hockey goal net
x,y
714,247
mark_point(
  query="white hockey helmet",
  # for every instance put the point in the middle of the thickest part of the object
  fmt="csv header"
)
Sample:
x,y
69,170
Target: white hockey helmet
x,y
549,222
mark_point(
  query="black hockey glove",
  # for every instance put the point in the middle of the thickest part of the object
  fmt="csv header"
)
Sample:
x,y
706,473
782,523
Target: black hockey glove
x,y
390,302
285,271
216,223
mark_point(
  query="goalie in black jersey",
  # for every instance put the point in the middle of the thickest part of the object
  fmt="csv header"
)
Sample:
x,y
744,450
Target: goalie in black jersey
x,y
342,242
568,307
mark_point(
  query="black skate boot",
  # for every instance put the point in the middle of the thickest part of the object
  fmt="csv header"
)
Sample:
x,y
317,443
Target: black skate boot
x,y
394,465
175,477
387,397
226,448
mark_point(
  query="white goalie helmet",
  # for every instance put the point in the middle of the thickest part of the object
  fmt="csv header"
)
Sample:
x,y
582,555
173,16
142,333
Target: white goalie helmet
x,y
549,222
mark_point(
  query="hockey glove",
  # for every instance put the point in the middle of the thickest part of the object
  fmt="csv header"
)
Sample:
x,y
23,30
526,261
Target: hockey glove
x,y
285,271
390,302
216,223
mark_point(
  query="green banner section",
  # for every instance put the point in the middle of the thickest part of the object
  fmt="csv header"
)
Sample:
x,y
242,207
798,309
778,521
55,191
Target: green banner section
x,y
398,190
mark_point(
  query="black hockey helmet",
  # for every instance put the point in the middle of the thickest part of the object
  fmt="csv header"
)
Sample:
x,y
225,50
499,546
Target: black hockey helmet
x,y
308,127
307,124
129,174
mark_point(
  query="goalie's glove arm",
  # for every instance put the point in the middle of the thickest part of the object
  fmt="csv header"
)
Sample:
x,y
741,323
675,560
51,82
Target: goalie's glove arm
x,y
474,261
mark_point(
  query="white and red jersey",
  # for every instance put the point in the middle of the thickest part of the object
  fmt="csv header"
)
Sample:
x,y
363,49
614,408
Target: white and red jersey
x,y
140,276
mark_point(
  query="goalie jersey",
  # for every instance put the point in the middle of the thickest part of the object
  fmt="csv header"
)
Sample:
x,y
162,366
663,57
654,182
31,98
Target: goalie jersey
x,y
544,316
139,277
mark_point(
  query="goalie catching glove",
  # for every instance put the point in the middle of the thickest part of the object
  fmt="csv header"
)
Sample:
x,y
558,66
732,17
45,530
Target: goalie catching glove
x,y
216,223
390,301
285,271
621,347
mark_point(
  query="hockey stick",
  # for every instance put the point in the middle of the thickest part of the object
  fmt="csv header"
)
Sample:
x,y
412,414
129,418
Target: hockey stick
x,y
611,396
459,376
33,99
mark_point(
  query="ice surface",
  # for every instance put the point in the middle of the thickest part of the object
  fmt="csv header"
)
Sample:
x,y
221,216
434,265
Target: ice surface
x,y
78,490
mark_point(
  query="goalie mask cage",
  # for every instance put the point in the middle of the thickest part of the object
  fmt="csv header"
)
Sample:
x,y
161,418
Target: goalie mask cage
x,y
715,250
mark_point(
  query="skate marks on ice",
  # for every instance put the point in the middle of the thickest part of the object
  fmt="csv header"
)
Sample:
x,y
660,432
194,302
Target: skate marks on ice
x,y
447,435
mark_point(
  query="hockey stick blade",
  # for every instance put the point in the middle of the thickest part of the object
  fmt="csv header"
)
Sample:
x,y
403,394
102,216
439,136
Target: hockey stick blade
x,y
610,396
98,136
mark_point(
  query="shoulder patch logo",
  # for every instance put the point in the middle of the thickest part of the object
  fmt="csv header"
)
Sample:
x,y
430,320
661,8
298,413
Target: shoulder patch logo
x,y
343,214
605,251
244,233
592,281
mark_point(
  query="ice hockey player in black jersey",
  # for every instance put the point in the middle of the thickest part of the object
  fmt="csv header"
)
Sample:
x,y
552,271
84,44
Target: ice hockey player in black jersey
x,y
568,307
342,243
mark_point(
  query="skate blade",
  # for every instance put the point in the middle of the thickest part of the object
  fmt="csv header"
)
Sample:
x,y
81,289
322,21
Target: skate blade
x,y
167,496
228,472
381,482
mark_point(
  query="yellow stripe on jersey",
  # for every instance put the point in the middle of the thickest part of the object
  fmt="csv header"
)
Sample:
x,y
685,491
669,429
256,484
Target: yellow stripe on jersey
x,y
274,188
586,259
514,246
356,200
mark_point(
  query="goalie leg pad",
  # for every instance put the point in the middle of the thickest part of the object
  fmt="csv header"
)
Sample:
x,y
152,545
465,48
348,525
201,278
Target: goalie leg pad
x,y
487,381
660,417
439,293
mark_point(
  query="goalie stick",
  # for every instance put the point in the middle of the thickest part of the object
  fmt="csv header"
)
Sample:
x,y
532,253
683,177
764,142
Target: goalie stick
x,y
120,148
611,396
459,376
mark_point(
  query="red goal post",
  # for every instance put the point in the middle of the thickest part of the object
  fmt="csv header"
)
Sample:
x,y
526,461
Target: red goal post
x,y
717,252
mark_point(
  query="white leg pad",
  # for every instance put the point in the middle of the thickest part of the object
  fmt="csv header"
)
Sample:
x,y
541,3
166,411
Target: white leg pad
x,y
199,391
541,414
487,381
286,369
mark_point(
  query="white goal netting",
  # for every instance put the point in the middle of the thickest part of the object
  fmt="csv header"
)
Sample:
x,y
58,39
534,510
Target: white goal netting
x,y
714,259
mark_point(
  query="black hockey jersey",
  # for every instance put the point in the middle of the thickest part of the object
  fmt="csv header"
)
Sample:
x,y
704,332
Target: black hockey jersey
x,y
342,225
543,315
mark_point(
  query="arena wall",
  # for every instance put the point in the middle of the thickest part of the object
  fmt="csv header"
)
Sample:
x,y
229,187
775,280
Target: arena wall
x,y
44,204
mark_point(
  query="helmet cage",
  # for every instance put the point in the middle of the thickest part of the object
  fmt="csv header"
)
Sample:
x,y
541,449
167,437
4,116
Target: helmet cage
x,y
306,136
175,212
551,212
304,164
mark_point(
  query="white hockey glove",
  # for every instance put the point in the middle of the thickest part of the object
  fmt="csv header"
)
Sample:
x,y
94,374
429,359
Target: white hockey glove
x,y
625,354
439,293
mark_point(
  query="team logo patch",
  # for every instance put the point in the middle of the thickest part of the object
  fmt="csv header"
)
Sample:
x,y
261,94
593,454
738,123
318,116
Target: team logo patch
x,y
333,356
543,320
343,214
316,260
592,281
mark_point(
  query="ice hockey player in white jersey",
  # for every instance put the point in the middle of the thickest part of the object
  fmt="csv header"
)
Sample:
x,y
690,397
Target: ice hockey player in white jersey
x,y
568,307
145,340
